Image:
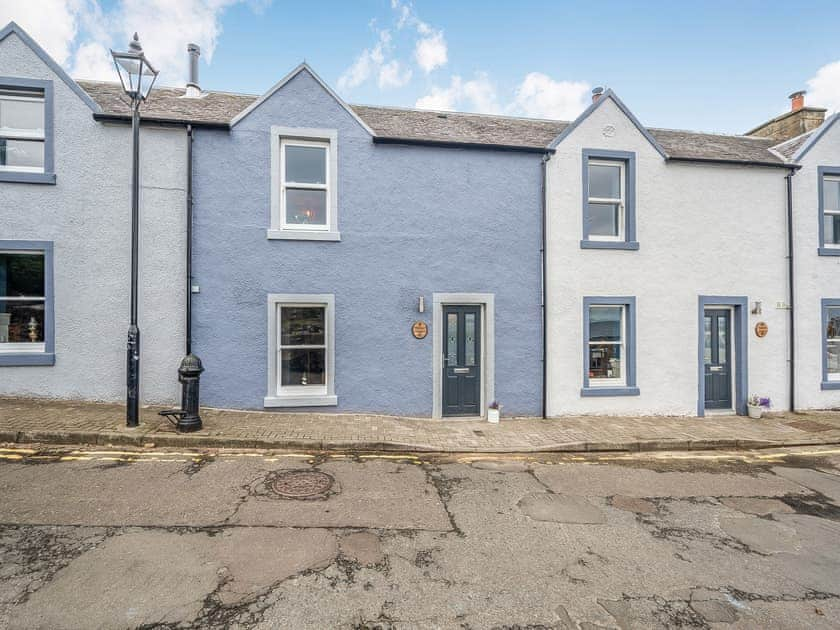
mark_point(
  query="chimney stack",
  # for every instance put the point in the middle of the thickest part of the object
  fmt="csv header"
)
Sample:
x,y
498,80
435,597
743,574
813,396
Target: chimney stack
x,y
193,89
797,100
597,93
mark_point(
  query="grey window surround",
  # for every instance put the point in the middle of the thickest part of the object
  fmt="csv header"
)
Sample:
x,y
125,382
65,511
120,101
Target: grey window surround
x,y
47,357
822,171
629,160
825,304
629,388
740,324
48,176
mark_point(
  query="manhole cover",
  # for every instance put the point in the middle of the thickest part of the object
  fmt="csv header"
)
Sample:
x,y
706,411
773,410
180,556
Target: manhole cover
x,y
302,484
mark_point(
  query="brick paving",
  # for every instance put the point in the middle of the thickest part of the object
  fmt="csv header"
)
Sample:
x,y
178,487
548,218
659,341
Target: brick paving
x,y
70,422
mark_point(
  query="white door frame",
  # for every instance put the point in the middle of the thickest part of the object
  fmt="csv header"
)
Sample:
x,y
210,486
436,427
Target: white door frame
x,y
488,346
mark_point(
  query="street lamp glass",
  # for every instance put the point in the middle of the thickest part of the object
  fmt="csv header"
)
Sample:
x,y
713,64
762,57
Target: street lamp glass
x,y
136,73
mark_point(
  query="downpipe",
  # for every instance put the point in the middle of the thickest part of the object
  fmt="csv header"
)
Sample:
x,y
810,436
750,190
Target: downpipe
x,y
792,319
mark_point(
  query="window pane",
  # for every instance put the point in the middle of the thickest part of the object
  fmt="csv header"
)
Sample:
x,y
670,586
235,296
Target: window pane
x,y
605,323
605,360
302,325
833,328
469,333
831,194
27,153
831,229
605,181
302,367
833,349
21,275
452,339
21,115
603,219
22,322
306,207
306,165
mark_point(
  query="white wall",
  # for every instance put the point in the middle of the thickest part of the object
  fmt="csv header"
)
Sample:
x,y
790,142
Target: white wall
x,y
87,215
703,230
816,277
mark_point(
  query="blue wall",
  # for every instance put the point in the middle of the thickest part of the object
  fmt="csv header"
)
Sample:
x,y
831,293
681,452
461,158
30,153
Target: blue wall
x,y
413,221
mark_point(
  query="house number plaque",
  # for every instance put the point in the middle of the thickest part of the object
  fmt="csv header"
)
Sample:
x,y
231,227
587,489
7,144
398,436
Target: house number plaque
x,y
419,330
761,329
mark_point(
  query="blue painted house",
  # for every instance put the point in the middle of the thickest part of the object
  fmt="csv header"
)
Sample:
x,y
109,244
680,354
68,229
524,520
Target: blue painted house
x,y
345,268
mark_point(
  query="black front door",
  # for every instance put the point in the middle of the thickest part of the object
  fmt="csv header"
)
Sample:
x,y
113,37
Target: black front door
x,y
717,358
461,360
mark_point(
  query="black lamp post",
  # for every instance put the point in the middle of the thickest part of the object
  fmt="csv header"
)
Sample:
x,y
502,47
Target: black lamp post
x,y
137,77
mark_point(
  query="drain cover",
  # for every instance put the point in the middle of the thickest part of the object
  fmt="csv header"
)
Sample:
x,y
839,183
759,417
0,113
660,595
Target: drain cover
x,y
302,484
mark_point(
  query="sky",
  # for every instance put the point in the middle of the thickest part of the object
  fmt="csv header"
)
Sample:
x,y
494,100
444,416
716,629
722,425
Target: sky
x,y
717,66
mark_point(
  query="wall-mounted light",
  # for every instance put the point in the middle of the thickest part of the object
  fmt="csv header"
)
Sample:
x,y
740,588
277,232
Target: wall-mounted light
x,y
756,309
421,304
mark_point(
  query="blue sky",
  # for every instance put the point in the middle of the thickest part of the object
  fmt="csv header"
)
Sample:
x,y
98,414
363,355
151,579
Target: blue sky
x,y
713,66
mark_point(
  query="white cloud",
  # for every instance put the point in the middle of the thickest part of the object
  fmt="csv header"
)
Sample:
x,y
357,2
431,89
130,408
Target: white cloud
x,y
394,74
367,64
476,95
76,32
430,51
540,96
824,88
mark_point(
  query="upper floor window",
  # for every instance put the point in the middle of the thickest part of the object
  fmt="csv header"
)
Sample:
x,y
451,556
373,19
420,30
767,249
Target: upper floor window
x,y
303,184
26,152
26,308
609,220
831,343
829,196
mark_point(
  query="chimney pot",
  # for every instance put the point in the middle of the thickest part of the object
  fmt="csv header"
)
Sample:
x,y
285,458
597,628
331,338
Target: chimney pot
x,y
797,100
193,89
597,93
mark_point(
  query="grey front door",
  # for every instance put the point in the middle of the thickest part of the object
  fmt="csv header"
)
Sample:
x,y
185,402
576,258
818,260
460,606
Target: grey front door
x,y
717,358
461,360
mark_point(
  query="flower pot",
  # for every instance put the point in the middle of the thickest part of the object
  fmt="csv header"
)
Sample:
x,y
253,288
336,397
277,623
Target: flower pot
x,y
493,416
754,411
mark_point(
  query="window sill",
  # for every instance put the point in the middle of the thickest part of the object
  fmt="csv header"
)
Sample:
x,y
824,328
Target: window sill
x,y
626,245
302,235
829,251
830,385
319,400
587,392
27,178
26,358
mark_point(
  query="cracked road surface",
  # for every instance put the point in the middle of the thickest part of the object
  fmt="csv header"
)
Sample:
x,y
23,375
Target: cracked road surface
x,y
154,539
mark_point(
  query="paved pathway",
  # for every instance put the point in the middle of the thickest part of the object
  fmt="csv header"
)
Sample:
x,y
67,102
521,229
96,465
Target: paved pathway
x,y
62,422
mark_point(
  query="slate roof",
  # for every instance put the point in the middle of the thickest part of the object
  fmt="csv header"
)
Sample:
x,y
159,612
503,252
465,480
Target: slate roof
x,y
788,148
429,126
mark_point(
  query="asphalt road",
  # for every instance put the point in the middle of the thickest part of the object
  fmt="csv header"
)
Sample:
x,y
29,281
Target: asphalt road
x,y
109,539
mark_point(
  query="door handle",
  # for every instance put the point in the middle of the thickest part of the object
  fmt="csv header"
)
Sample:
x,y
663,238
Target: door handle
x,y
461,370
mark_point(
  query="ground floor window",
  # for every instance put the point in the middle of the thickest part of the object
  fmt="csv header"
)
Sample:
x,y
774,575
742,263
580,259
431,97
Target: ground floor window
x,y
831,343
26,303
609,346
301,350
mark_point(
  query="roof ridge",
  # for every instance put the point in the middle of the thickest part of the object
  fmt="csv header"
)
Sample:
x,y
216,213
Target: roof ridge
x,y
459,113
740,136
168,87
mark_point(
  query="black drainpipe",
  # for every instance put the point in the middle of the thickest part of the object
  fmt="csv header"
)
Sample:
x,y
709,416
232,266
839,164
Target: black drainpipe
x,y
788,179
543,256
189,237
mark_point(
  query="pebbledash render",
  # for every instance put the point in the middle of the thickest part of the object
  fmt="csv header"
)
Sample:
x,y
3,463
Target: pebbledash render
x,y
383,260
65,240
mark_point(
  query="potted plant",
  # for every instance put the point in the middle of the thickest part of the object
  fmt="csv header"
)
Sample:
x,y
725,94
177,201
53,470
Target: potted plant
x,y
756,405
494,410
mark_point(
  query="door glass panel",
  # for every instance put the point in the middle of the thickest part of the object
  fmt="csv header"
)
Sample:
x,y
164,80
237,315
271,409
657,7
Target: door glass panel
x,y
707,340
469,333
722,334
452,339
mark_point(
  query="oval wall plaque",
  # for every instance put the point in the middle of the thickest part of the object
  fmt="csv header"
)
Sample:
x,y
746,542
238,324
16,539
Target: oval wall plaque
x,y
419,330
761,329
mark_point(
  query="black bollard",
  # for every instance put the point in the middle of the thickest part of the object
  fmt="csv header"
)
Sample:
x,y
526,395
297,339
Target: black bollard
x,y
189,373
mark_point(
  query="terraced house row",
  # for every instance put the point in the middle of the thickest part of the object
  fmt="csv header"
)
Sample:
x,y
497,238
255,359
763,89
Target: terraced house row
x,y
385,260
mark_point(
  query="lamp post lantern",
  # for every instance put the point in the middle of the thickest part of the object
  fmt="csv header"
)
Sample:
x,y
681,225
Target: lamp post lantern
x,y
137,77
